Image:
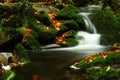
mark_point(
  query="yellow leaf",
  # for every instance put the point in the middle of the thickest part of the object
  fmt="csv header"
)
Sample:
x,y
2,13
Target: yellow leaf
x,y
104,56
108,68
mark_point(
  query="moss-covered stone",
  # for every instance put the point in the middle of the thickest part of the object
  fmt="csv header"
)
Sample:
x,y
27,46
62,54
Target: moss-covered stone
x,y
67,13
13,19
19,51
104,66
62,30
107,25
43,17
69,39
46,36
71,42
33,43
14,38
101,73
71,13
71,24
80,22
59,6
4,10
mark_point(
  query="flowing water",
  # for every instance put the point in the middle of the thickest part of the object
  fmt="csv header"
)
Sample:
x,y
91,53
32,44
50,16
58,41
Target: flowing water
x,y
90,26
50,64
88,43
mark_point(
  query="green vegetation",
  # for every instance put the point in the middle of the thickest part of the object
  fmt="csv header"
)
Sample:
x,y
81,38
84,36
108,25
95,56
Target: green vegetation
x,y
24,27
43,17
71,24
107,24
27,28
9,75
102,74
101,66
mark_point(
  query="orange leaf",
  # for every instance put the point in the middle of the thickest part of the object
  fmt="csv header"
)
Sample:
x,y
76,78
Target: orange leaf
x,y
89,58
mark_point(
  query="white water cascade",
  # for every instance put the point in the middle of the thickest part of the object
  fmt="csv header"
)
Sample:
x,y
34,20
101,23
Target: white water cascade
x,y
90,42
90,26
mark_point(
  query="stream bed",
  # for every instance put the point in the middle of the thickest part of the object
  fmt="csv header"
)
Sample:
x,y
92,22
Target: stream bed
x,y
52,65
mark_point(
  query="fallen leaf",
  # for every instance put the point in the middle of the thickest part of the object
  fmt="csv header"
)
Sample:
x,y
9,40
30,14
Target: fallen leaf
x,y
108,68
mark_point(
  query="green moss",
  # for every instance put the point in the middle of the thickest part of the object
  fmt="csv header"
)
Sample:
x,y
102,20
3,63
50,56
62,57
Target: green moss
x,y
71,42
14,37
111,59
80,22
107,25
21,31
102,74
59,6
4,11
67,13
33,43
71,25
84,64
35,34
73,8
46,36
62,30
43,17
98,68
117,21
20,52
112,4
9,75
71,13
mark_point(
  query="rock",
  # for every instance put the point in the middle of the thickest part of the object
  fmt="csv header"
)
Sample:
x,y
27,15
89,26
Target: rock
x,y
3,59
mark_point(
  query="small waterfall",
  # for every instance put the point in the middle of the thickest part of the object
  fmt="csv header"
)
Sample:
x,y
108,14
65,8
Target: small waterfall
x,y
90,26
88,43
87,38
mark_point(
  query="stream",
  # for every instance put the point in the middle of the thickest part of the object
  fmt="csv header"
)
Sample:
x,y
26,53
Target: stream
x,y
53,63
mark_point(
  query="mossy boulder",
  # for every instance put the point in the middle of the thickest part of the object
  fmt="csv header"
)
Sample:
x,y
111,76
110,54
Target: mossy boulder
x,y
13,21
80,22
100,73
33,43
59,6
73,8
71,13
43,17
67,13
14,38
69,42
62,30
19,51
46,36
107,25
70,39
101,66
71,24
